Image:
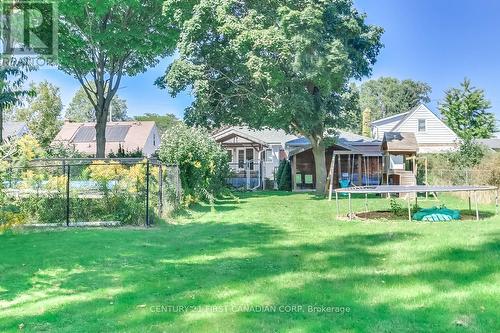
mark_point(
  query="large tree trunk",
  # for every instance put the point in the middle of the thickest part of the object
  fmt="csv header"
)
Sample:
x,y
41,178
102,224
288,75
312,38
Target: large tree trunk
x,y
100,126
100,138
319,150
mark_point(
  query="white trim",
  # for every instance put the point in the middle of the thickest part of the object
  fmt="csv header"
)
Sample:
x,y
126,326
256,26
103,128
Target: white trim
x,y
375,122
228,131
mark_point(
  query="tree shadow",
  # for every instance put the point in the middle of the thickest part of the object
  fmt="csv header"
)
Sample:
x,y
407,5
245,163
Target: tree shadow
x,y
207,264
184,265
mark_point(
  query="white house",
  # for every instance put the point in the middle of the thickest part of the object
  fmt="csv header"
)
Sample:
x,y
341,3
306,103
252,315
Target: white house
x,y
432,134
254,153
127,135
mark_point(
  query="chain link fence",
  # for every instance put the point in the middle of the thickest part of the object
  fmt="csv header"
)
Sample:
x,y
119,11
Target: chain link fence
x,y
79,192
437,176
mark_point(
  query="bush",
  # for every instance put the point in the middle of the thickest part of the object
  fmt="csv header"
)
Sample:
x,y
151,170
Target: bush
x,y
279,173
285,183
122,153
396,207
468,155
202,162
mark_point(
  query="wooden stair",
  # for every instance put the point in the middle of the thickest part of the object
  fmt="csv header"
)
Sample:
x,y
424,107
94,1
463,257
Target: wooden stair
x,y
407,178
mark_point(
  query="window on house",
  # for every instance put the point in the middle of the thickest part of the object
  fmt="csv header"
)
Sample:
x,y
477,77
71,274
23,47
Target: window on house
x,y
421,125
230,154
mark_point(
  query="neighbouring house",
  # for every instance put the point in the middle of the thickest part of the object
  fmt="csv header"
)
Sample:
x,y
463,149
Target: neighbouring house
x,y
358,160
254,154
13,130
491,144
431,133
128,136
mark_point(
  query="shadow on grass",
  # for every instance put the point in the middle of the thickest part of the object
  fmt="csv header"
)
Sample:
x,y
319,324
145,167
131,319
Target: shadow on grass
x,y
109,279
219,205
164,268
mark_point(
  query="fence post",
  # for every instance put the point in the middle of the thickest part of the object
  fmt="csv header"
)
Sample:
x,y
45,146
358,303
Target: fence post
x,y
147,193
68,170
178,186
160,189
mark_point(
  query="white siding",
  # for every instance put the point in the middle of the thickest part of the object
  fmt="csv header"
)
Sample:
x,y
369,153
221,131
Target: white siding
x,y
437,136
379,130
381,127
152,143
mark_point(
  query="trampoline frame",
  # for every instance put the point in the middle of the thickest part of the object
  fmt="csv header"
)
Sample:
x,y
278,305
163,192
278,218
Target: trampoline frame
x,y
388,189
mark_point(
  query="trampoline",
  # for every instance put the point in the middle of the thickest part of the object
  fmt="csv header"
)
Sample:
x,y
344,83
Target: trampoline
x,y
388,189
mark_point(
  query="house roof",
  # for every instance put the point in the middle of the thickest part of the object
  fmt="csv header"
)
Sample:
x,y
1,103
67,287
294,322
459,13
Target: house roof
x,y
400,142
391,118
355,143
343,136
14,129
490,143
264,136
129,135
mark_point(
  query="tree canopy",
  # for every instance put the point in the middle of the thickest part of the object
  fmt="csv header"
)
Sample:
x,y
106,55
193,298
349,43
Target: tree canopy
x,y
163,122
465,111
12,90
42,112
279,64
80,109
100,41
387,96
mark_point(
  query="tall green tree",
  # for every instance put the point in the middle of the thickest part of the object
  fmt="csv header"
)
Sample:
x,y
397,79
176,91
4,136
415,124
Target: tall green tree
x,y
273,63
163,122
12,90
344,109
387,96
100,41
81,109
366,122
465,111
42,112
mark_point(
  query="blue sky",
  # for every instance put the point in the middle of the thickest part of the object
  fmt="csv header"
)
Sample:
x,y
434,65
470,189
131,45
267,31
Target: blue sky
x,y
439,42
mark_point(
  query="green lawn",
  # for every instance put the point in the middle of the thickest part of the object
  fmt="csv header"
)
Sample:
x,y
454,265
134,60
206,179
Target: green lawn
x,y
266,249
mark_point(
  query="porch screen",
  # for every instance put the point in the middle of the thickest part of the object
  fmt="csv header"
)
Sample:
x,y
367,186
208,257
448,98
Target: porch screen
x,y
249,157
241,159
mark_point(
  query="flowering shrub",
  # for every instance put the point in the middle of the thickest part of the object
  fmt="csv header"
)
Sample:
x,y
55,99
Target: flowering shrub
x,y
101,191
27,149
202,162
17,154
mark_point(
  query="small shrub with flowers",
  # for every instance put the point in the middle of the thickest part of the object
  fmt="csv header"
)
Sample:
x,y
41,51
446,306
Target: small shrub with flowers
x,y
202,162
14,156
100,191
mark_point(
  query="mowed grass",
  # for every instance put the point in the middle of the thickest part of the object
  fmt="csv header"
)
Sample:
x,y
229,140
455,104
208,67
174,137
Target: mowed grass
x,y
242,265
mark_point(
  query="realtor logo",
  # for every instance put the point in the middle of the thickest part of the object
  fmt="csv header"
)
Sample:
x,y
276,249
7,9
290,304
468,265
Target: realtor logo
x,y
28,28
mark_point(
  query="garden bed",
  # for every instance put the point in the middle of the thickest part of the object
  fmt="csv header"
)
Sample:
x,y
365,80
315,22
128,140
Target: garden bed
x,y
97,224
390,216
